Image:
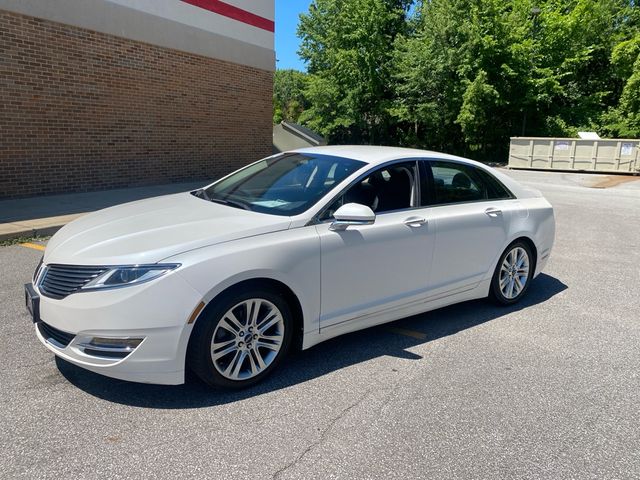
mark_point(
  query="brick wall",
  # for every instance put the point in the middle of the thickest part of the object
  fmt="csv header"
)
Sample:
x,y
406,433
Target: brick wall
x,y
81,110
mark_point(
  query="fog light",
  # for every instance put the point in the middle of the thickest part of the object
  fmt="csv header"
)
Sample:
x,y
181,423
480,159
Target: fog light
x,y
128,344
110,347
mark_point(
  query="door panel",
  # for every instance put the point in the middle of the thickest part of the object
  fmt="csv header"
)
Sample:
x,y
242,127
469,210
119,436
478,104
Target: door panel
x,y
469,237
367,267
472,212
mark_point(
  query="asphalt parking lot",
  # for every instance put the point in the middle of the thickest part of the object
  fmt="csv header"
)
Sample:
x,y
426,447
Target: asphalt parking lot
x,y
547,389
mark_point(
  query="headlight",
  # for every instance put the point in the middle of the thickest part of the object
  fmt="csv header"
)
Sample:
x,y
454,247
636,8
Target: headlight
x,y
129,275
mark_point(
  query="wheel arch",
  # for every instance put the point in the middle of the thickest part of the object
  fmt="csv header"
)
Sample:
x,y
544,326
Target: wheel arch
x,y
531,244
492,285
520,237
264,282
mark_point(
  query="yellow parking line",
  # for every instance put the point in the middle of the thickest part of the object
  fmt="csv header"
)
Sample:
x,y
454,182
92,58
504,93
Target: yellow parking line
x,y
35,246
408,333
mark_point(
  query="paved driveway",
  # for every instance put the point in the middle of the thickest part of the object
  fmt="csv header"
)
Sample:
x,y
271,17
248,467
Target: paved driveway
x,y
548,389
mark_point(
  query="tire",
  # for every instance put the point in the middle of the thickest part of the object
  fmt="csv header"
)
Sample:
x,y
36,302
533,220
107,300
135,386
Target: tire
x,y
507,285
232,346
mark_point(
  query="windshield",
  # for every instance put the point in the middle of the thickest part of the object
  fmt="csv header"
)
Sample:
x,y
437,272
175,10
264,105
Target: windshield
x,y
284,185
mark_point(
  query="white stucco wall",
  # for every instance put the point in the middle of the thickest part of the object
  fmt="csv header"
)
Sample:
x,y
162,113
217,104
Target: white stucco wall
x,y
193,16
167,23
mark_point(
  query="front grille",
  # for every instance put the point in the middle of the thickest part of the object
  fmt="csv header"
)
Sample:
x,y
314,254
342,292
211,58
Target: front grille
x,y
58,336
59,281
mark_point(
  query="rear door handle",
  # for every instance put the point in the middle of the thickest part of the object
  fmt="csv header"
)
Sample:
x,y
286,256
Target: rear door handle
x,y
415,222
493,212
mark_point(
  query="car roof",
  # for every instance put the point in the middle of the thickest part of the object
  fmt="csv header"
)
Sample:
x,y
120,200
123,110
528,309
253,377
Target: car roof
x,y
373,154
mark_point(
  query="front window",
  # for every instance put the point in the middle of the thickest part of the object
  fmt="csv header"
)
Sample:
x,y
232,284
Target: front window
x,y
385,190
286,184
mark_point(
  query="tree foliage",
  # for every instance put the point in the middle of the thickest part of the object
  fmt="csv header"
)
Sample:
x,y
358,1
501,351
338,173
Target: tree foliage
x,y
465,75
348,47
623,120
289,100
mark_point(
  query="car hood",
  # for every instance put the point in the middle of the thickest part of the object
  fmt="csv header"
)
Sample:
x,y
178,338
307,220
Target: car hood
x,y
148,231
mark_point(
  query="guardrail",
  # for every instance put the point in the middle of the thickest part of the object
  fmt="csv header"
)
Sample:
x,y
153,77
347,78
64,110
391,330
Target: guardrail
x,y
610,155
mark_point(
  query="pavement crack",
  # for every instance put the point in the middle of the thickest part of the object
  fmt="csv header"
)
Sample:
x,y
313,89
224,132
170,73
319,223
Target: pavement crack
x,y
323,438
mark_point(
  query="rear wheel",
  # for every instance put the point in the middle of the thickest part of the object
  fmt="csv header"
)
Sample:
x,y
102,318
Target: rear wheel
x,y
513,274
242,339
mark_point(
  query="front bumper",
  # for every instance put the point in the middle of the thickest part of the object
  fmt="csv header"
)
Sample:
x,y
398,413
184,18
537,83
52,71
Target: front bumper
x,y
155,360
156,312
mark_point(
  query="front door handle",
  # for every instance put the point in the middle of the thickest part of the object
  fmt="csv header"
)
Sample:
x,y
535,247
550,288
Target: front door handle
x,y
493,212
415,222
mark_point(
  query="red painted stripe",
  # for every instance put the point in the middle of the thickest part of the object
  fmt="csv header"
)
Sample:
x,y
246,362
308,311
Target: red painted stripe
x,y
231,11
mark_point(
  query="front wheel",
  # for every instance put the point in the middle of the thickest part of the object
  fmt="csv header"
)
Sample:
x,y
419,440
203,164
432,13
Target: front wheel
x,y
513,274
242,339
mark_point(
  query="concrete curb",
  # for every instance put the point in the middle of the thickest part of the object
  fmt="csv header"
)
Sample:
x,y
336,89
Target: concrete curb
x,y
43,227
28,233
45,215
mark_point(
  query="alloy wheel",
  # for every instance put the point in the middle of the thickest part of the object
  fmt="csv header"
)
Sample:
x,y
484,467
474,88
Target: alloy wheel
x,y
514,273
247,339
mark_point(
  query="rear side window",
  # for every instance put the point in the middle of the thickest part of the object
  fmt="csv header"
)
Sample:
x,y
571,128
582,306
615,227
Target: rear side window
x,y
495,189
459,183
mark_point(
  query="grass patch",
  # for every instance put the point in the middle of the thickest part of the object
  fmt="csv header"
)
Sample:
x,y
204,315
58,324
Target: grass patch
x,y
18,240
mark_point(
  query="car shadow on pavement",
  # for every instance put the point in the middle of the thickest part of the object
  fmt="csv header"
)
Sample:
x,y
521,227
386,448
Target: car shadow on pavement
x,y
320,360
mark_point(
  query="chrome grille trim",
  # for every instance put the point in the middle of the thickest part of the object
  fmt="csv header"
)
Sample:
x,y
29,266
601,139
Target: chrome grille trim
x,y
36,274
59,281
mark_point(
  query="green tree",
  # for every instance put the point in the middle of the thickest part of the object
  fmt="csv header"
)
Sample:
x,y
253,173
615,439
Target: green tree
x,y
478,102
473,73
348,48
623,120
464,75
572,79
464,58
288,95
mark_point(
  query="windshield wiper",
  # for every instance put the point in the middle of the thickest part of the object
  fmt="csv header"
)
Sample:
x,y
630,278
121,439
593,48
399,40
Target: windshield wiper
x,y
202,193
232,203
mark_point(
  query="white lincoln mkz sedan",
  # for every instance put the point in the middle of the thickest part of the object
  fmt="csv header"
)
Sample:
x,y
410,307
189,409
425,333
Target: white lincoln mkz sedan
x,y
287,252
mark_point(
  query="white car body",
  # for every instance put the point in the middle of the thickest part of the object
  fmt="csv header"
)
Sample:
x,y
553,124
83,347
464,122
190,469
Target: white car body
x,y
343,281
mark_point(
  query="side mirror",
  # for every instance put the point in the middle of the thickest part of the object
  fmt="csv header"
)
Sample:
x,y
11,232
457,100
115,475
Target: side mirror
x,y
352,214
